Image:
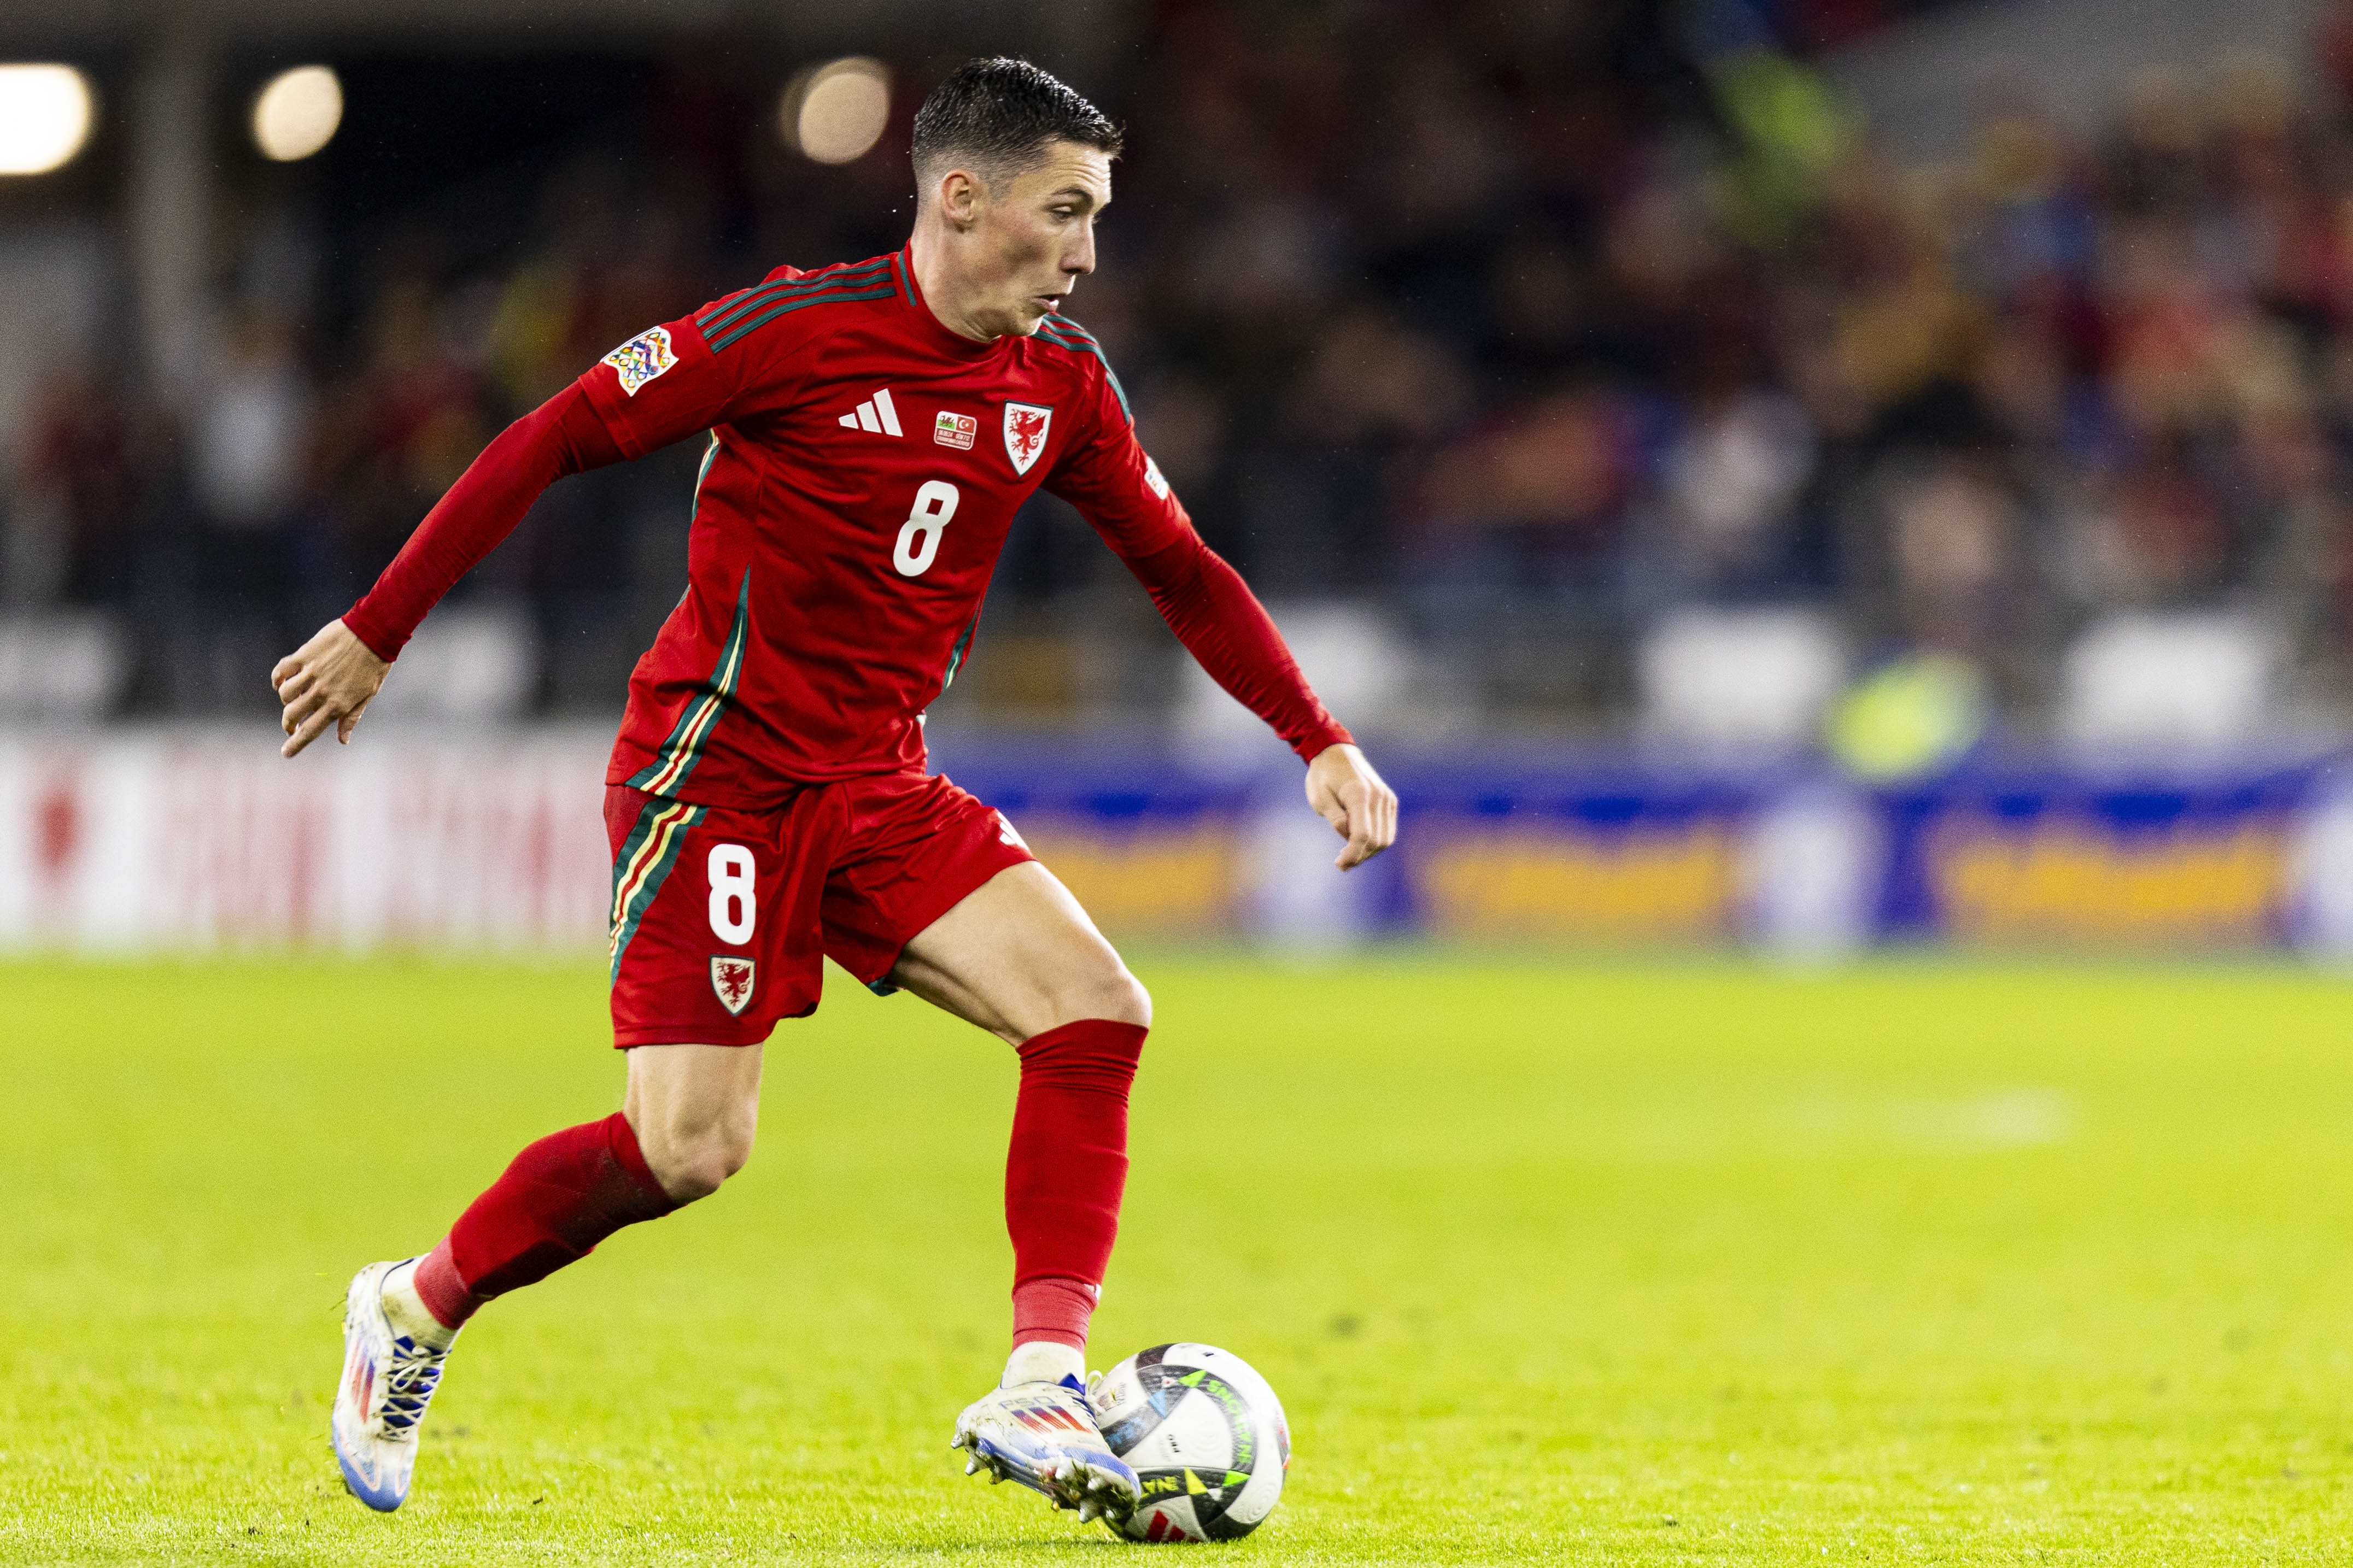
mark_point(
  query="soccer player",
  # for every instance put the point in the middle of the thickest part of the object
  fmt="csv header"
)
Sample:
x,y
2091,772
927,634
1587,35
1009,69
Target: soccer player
x,y
872,427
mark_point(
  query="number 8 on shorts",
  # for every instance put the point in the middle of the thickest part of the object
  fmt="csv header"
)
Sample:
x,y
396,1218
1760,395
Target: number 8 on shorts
x,y
733,907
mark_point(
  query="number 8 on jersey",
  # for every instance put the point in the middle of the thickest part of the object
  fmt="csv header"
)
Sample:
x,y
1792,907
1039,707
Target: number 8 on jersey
x,y
919,537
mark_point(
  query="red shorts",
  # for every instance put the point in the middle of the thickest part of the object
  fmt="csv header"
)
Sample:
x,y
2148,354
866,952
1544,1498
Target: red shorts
x,y
722,919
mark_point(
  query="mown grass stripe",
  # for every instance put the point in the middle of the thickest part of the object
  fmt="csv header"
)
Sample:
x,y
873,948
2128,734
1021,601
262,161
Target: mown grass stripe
x,y
790,305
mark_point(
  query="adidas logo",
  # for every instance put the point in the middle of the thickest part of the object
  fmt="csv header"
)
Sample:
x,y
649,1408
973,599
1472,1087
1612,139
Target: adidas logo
x,y
874,413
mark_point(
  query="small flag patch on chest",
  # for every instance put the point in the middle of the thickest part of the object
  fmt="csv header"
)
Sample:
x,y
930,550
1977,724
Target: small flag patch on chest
x,y
731,978
642,358
956,430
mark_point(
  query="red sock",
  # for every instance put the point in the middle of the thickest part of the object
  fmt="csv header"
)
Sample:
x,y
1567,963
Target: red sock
x,y
559,1198
1064,1173
1056,1310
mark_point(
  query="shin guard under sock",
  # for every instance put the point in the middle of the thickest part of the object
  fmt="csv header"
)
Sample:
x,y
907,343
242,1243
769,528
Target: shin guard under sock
x,y
559,1198
1065,1171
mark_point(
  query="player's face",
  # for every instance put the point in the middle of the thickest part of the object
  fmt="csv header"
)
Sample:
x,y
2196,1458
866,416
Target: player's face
x,y
1037,236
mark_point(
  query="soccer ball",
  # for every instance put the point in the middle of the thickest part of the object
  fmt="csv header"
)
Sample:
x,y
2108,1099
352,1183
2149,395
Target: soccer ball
x,y
1206,1434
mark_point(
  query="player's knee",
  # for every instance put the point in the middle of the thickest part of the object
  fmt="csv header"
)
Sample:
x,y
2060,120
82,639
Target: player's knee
x,y
695,1170
1113,994
692,1161
1129,1002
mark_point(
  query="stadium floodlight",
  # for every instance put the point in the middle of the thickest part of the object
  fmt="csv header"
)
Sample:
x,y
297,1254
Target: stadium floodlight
x,y
296,114
834,113
45,115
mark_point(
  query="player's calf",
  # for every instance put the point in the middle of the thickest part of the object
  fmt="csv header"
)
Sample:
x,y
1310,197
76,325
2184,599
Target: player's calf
x,y
553,1204
1064,1172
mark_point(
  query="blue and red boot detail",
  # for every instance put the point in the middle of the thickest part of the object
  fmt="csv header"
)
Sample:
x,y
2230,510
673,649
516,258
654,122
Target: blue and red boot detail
x,y
1043,1434
388,1380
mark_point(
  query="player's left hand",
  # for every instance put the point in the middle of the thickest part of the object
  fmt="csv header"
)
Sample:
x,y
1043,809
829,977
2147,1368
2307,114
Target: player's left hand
x,y
1347,792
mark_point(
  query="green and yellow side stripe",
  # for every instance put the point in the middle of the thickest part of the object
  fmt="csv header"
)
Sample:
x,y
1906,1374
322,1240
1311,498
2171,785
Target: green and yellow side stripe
x,y
683,749
955,655
647,854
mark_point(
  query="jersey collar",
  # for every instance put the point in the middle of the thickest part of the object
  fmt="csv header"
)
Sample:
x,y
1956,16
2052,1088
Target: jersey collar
x,y
933,330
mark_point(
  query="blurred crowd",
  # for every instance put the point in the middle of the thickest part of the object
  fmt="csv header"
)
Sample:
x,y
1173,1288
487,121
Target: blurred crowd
x,y
1525,322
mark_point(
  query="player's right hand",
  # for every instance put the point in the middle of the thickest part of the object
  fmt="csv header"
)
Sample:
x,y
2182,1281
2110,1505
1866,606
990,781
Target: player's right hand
x,y
1345,792
330,680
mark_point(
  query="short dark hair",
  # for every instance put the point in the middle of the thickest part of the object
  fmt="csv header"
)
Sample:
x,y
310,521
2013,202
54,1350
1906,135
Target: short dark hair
x,y
997,118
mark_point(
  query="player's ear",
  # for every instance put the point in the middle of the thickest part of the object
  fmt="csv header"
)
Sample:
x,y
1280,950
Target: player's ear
x,y
960,197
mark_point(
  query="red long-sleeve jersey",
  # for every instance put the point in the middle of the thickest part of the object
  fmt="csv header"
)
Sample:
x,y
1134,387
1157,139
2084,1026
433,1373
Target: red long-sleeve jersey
x,y
864,465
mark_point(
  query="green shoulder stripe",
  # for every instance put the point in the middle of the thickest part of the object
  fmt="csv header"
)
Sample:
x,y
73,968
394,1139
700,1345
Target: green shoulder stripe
x,y
792,302
1066,333
719,316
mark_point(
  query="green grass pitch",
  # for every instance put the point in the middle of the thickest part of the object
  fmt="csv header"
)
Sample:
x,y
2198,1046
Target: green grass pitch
x,y
1663,1264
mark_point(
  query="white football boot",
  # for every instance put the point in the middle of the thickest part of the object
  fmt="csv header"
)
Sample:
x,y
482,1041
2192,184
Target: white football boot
x,y
1043,1434
388,1380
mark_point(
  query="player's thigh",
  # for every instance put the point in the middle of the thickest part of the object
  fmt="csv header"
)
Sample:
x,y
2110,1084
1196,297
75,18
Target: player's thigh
x,y
1018,956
